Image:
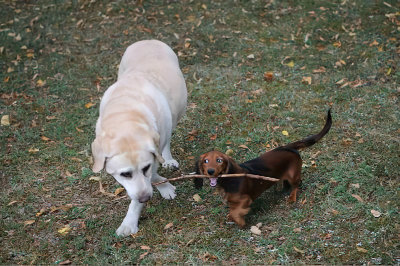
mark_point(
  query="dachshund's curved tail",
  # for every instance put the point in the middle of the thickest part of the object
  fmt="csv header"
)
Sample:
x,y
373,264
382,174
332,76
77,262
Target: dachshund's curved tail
x,y
311,140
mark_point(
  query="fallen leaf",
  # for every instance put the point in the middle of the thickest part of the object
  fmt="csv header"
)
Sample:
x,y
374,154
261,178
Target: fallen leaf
x,y
306,80
244,147
251,56
196,197
64,231
355,185
299,250
357,197
362,250
29,222
297,230
143,255
337,44
33,150
79,130
375,213
12,202
145,247
255,230
44,138
40,83
213,137
88,105
65,262
95,178
334,212
229,152
42,210
285,133
320,70
268,76
374,43
118,191
5,120
168,226
290,64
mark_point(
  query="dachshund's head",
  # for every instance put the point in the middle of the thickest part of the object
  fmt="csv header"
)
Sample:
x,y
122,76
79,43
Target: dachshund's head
x,y
213,163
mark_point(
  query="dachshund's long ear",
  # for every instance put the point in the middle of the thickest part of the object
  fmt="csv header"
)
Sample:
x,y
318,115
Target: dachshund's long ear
x,y
230,165
230,184
198,182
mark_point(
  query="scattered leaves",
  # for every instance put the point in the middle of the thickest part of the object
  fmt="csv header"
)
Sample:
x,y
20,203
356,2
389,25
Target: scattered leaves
x,y
118,191
64,231
376,213
255,230
268,76
196,198
5,120
357,197
306,80
88,105
362,250
299,250
29,222
168,226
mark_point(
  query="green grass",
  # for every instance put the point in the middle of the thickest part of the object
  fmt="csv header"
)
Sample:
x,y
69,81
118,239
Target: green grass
x,y
58,56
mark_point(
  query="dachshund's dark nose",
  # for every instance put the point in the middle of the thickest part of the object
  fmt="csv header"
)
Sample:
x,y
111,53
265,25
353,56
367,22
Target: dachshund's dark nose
x,y
211,171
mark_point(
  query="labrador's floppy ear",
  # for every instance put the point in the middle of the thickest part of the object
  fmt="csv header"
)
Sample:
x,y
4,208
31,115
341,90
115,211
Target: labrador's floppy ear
x,y
99,156
198,182
156,149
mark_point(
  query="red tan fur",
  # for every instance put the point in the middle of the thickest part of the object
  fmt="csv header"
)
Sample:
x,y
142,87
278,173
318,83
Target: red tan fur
x,y
282,163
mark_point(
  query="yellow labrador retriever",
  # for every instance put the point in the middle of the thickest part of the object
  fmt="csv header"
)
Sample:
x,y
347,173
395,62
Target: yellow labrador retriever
x,y
137,116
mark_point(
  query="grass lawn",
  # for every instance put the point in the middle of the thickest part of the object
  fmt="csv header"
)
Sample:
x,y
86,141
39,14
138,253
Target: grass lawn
x,y
254,69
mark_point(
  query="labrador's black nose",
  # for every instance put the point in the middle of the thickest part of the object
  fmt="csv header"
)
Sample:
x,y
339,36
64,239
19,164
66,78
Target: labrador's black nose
x,y
211,171
144,198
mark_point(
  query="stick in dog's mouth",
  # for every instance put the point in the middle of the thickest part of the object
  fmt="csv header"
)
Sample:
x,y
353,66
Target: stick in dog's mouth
x,y
267,178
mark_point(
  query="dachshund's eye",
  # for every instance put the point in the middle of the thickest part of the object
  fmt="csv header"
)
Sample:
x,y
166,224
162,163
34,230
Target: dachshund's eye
x,y
219,160
206,161
145,169
127,174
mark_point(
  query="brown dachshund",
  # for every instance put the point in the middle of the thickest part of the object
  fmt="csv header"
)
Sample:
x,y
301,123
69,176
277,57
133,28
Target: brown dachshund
x,y
282,163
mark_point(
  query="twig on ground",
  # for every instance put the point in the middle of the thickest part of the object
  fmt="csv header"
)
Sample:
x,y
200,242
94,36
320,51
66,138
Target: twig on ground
x,y
266,178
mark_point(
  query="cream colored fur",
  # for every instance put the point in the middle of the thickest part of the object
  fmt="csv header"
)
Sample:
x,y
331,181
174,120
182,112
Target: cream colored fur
x,y
137,115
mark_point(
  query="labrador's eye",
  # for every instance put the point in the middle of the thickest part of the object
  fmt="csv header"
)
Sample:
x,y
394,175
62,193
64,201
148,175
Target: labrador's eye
x,y
127,174
219,160
206,161
145,169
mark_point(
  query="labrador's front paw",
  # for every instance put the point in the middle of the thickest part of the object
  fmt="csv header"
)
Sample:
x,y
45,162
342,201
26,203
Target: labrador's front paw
x,y
171,164
126,230
167,191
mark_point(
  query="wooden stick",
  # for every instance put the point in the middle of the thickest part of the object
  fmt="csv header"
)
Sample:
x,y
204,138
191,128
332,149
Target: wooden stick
x,y
266,178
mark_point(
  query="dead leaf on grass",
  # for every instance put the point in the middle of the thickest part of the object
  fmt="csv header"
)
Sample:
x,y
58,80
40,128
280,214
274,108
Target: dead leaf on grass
x,y
118,191
143,255
88,105
196,198
29,222
299,250
5,120
376,213
168,226
357,198
145,247
255,230
306,80
362,250
285,133
64,231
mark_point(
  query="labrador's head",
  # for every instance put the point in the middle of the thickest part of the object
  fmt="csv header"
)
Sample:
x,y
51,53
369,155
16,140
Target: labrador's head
x,y
131,161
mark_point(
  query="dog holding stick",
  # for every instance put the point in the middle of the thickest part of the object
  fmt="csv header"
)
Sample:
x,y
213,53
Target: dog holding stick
x,y
282,163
